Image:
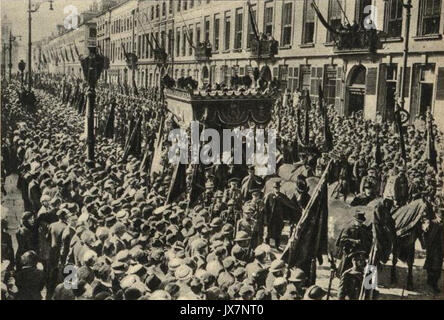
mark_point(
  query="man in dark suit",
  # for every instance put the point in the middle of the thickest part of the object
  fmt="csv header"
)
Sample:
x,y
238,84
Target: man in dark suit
x,y
277,208
30,280
250,182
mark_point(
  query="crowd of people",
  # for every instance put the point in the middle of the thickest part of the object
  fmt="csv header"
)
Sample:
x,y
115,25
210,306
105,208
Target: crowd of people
x,y
107,230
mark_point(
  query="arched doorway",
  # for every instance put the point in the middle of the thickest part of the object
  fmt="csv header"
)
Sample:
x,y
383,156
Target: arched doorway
x,y
355,97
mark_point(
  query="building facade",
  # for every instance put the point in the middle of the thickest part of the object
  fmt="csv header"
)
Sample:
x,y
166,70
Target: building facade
x,y
7,57
353,80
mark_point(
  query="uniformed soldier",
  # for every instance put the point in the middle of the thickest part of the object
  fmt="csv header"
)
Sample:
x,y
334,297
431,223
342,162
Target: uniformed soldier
x,y
250,182
257,208
218,205
351,280
373,178
233,193
364,198
353,238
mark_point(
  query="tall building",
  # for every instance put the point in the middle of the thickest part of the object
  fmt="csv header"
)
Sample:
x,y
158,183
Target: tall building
x,y
354,78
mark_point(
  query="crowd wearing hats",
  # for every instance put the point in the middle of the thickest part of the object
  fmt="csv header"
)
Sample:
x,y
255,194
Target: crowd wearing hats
x,y
110,223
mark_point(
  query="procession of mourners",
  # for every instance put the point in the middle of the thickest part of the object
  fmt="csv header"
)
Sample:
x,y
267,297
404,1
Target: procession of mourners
x,y
350,197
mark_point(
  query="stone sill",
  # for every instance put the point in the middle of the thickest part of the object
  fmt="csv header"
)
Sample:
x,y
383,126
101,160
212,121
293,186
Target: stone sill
x,y
392,39
307,45
428,37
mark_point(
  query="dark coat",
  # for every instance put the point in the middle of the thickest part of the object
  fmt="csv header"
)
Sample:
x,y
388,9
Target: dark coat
x,y
277,209
30,283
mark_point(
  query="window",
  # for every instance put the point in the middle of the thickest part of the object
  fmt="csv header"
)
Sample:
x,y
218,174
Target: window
x,y
393,18
164,9
216,31
163,39
184,41
185,4
170,41
170,6
293,79
157,11
334,17
287,23
251,34
429,17
227,30
191,39
268,19
309,23
207,28
191,4
238,29
179,5
305,78
152,13
178,42
330,85
361,13
197,32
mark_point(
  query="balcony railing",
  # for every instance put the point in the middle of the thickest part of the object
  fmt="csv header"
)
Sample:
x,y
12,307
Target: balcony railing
x,y
358,41
203,51
264,48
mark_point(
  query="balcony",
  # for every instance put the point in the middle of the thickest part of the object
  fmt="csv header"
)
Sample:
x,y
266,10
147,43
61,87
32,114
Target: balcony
x,y
358,42
264,48
203,51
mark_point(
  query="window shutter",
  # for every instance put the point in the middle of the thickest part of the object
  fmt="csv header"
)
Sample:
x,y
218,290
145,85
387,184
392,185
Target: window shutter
x,y
407,82
371,81
414,100
440,85
382,89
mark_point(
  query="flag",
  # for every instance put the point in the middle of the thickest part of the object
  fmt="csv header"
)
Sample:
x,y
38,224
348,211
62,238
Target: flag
x,y
72,54
430,154
322,19
77,50
61,55
307,118
178,183
109,129
252,21
309,238
133,146
378,153
328,138
66,55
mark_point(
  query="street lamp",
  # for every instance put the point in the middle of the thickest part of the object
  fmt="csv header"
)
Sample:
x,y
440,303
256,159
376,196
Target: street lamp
x,y
92,67
30,12
407,4
11,40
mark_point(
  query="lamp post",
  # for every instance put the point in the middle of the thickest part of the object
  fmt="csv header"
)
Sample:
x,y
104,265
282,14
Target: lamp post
x,y
11,40
4,48
408,7
30,12
92,67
